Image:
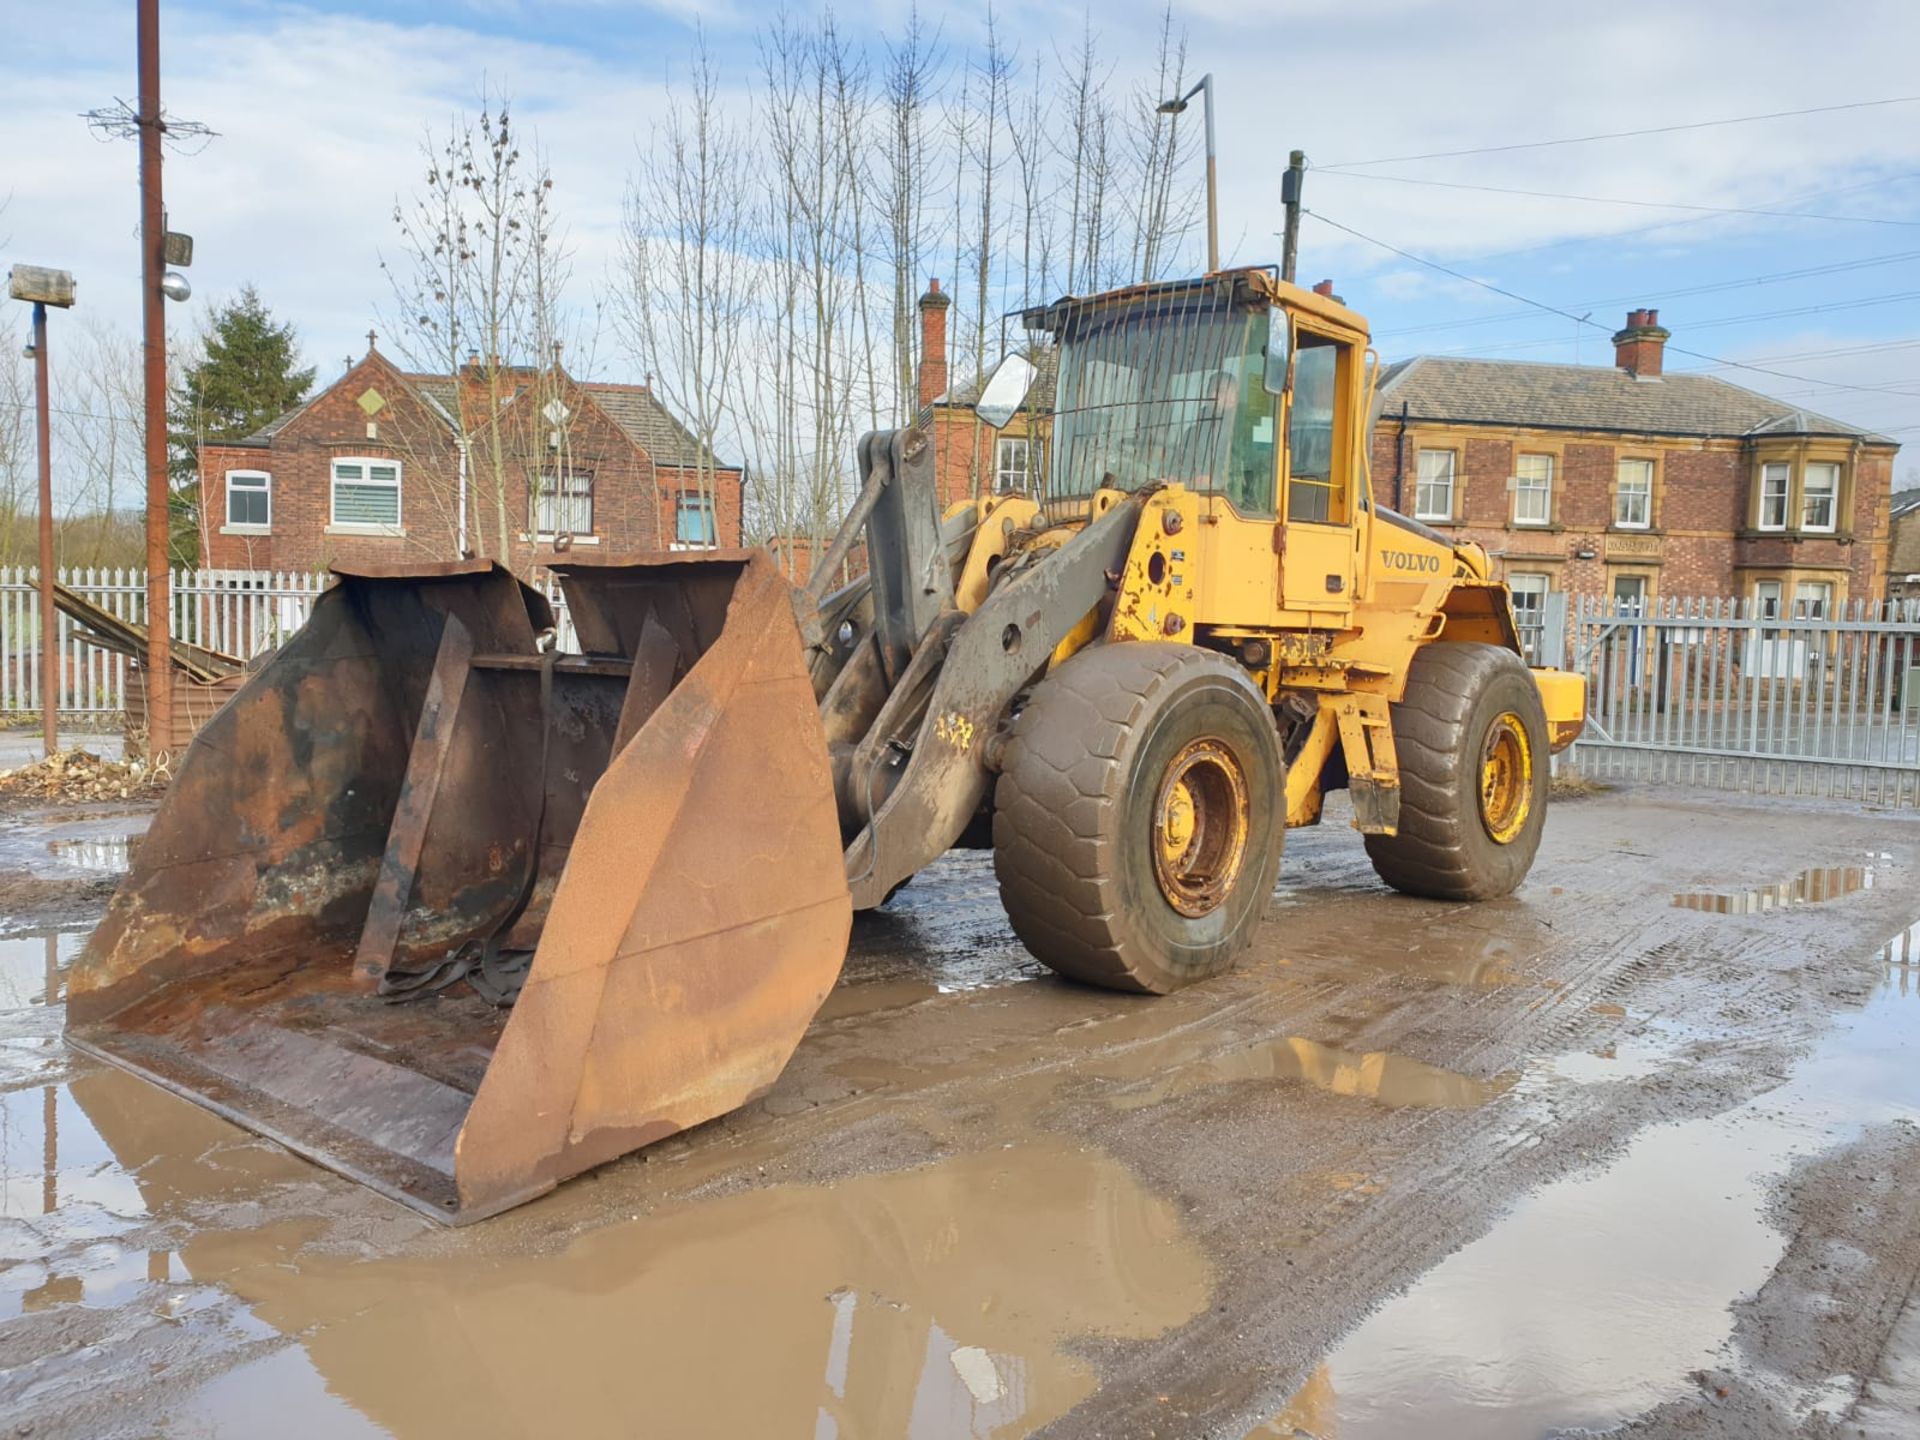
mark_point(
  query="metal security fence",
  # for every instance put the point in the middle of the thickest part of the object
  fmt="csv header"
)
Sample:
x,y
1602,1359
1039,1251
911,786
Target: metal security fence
x,y
239,612
1736,695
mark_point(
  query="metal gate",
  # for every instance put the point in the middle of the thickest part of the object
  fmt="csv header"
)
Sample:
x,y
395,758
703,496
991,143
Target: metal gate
x,y
1717,692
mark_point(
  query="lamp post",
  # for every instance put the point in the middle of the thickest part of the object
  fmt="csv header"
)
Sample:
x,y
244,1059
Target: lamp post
x,y
1175,107
42,287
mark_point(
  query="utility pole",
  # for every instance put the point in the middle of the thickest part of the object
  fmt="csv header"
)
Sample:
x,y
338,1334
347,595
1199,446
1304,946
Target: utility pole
x,y
154,329
1290,187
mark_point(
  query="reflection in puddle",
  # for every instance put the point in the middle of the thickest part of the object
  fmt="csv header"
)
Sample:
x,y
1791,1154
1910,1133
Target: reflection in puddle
x,y
1900,964
1809,887
1391,1080
1593,1300
33,968
931,1302
85,1161
1633,1057
109,853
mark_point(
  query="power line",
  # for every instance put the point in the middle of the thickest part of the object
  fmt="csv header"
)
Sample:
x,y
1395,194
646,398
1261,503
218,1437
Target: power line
x,y
1624,134
1642,298
1585,320
1714,323
131,416
1641,204
1682,224
1873,348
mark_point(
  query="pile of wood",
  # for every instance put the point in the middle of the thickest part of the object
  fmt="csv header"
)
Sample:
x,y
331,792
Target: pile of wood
x,y
203,680
78,775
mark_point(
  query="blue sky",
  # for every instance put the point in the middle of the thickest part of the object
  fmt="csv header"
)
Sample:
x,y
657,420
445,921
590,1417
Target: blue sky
x,y
319,110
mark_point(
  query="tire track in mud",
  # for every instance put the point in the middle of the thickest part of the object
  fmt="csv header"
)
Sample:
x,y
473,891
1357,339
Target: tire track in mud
x,y
1716,979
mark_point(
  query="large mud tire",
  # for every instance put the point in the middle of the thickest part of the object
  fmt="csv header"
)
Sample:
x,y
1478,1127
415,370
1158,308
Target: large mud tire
x,y
1471,712
1085,796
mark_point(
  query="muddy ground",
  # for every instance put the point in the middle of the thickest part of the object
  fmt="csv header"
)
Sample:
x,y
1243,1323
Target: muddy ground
x,y
1584,1158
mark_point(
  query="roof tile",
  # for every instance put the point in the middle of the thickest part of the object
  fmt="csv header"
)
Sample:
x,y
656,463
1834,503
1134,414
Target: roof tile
x,y
1592,397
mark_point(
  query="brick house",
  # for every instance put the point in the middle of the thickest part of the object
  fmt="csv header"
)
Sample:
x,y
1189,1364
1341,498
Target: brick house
x,y
1903,546
371,469
971,457
1627,483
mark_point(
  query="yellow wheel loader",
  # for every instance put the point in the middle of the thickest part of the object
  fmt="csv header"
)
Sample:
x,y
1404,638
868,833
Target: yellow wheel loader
x,y
459,915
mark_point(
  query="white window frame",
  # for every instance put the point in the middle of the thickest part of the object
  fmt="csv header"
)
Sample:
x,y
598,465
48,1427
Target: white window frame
x,y
265,487
680,498
1769,471
1012,475
1813,600
1767,597
1642,598
542,496
1534,586
1830,495
1421,510
1621,493
1527,486
366,464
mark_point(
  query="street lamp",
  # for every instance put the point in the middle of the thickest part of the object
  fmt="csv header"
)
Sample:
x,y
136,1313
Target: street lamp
x,y
42,287
1175,107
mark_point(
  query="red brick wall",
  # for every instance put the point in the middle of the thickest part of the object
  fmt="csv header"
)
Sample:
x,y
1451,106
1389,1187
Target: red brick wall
x,y
633,501
1702,506
728,524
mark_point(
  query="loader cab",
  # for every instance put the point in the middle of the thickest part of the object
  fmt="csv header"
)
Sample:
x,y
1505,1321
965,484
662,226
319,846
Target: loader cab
x,y
1239,388
1165,384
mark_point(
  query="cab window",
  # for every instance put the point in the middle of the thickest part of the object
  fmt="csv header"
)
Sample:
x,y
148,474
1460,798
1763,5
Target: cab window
x,y
1316,480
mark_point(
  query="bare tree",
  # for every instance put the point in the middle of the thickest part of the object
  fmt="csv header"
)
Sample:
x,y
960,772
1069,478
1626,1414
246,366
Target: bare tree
x,y
688,284
1162,209
479,289
911,88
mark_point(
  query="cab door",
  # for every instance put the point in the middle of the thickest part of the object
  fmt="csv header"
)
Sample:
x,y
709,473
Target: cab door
x,y
1318,475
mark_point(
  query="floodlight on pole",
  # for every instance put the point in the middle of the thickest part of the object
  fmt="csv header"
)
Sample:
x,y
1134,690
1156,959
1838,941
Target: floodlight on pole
x,y
41,287
1177,107
174,286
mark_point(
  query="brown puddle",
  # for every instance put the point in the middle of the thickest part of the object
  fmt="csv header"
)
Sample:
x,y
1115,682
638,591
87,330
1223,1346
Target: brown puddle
x,y
1809,887
1597,1296
1395,1081
940,1301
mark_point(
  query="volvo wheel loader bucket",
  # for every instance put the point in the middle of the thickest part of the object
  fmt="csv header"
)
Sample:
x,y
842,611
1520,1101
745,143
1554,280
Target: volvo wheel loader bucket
x,y
412,790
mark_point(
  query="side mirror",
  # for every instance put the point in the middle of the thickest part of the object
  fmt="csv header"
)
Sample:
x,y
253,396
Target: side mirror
x,y
1006,389
1279,367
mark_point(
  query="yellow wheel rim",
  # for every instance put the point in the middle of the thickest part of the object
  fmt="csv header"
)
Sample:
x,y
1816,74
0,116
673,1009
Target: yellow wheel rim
x,y
1506,778
1200,826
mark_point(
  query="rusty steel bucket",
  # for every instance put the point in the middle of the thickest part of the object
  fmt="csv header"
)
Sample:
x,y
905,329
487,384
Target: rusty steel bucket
x,y
413,790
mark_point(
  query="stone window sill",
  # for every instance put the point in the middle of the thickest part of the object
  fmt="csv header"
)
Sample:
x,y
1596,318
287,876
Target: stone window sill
x,y
387,532
1795,537
246,529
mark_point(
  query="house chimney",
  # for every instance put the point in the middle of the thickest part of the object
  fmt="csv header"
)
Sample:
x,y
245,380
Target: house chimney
x,y
933,344
1641,346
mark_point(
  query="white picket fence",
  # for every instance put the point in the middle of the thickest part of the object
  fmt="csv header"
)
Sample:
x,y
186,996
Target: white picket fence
x,y
237,612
